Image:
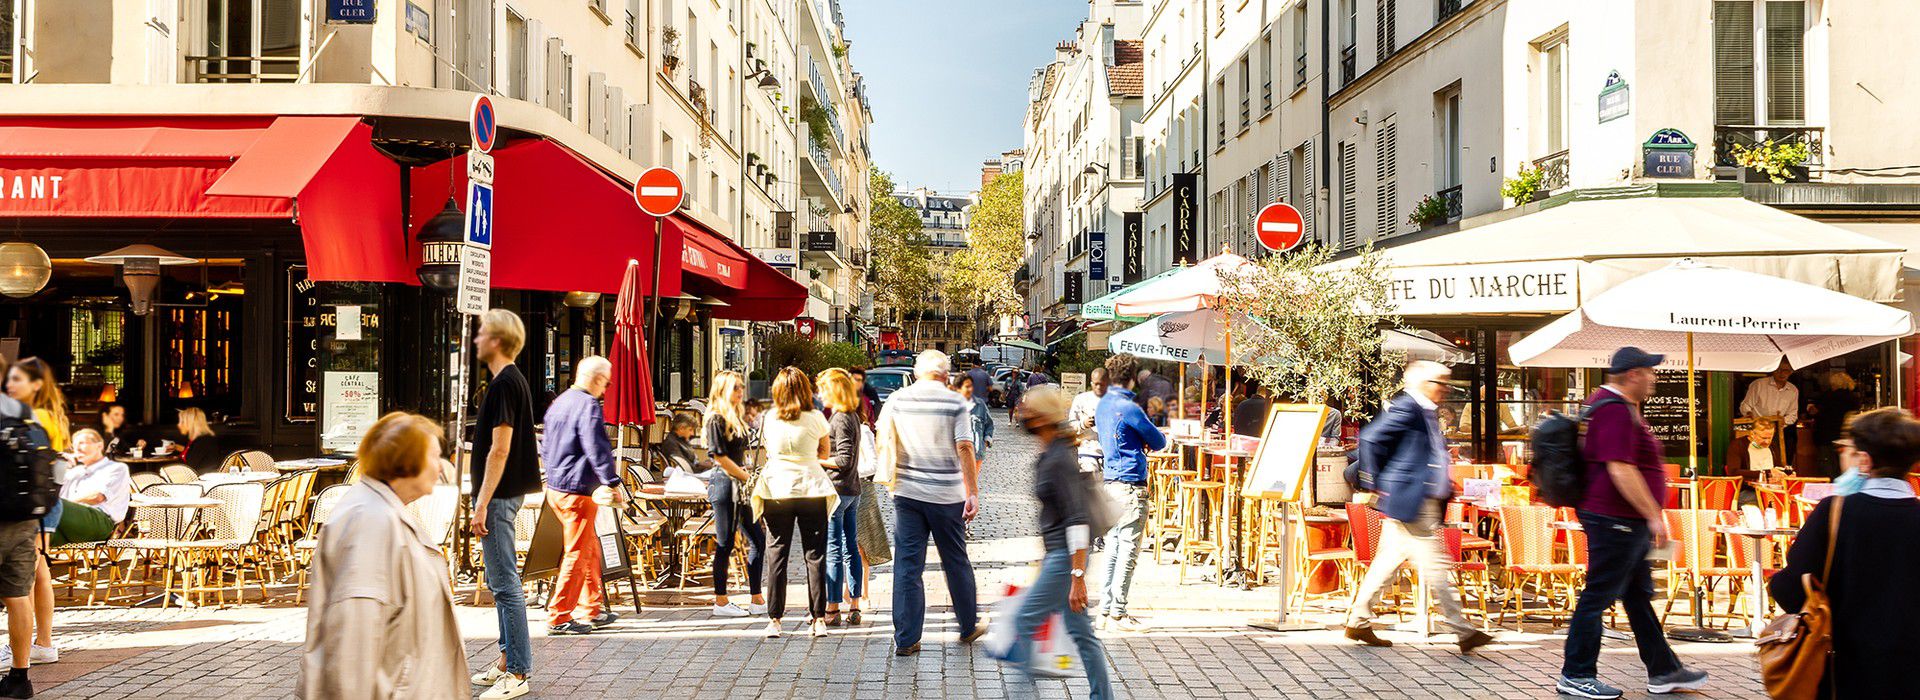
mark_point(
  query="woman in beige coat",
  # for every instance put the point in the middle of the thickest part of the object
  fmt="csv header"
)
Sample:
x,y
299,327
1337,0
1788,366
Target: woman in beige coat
x,y
381,621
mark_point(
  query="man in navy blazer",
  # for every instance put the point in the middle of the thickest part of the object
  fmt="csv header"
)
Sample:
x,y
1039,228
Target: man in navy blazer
x,y
1404,462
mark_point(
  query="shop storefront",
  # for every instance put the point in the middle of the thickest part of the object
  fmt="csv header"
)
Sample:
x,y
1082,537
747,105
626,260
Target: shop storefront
x,y
1485,287
282,291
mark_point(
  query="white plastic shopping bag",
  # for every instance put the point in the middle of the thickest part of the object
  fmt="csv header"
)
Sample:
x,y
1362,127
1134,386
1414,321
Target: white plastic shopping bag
x,y
1052,655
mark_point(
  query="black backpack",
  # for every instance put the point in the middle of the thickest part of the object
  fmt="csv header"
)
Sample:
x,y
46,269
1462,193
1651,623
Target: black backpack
x,y
27,491
1559,473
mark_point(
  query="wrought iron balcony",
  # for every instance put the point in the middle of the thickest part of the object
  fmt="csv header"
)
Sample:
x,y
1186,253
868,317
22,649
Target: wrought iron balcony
x,y
1451,197
1554,173
1299,69
1448,8
244,69
1348,63
1725,137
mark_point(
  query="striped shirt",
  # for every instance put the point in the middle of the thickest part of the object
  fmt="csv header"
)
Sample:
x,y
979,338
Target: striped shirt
x,y
930,422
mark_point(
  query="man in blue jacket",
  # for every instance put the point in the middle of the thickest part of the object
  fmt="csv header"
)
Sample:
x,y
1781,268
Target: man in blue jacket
x,y
579,461
1404,462
1126,436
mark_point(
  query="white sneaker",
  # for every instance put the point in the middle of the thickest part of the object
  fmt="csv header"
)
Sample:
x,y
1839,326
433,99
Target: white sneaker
x,y
757,608
492,675
773,629
729,610
39,655
1127,623
509,686
819,628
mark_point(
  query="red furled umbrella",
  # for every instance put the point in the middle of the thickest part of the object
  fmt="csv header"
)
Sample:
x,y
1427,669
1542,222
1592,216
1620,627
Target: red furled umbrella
x,y
630,397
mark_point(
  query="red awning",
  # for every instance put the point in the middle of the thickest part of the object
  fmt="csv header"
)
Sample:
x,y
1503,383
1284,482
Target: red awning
x,y
132,167
559,223
756,292
709,255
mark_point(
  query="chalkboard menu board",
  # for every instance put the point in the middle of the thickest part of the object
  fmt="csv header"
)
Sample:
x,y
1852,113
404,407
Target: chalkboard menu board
x,y
1666,411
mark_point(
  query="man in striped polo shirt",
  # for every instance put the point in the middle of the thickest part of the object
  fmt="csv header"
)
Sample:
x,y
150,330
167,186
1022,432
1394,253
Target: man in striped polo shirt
x,y
936,491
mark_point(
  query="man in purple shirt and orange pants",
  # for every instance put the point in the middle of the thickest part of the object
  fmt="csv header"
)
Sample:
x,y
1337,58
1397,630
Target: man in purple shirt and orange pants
x,y
579,461
1622,518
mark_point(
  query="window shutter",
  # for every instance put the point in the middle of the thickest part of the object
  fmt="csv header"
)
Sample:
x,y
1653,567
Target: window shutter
x,y
556,75
1127,163
1349,195
1253,209
536,88
636,133
597,105
1386,190
1786,58
616,118
1281,185
1308,189
1383,29
1733,66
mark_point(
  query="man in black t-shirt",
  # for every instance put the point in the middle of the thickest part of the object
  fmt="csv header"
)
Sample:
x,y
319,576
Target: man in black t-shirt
x,y
507,468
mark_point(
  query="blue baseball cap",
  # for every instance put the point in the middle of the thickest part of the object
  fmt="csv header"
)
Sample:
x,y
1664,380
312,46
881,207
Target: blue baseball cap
x,y
1631,358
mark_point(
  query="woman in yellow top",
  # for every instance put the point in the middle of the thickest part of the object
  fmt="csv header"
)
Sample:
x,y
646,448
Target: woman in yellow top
x,y
794,488
31,381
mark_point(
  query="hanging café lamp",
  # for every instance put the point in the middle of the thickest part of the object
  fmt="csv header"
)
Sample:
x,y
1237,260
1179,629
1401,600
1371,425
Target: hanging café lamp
x,y
24,269
140,269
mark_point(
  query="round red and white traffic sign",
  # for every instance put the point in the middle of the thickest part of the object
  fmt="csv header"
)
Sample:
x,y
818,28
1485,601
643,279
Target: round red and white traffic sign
x,y
658,192
1279,227
484,127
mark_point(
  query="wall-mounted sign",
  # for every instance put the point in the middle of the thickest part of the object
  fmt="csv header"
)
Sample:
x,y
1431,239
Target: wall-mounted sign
x,y
1186,218
778,257
350,11
1668,154
1097,255
1133,246
1071,290
1442,290
350,404
1615,98
419,22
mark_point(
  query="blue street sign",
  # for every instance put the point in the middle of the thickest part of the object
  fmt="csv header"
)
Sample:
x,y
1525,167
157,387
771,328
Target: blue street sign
x,y
350,11
479,226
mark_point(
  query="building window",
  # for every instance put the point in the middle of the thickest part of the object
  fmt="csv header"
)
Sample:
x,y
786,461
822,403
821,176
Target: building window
x,y
666,149
1447,107
1266,74
1246,92
1349,33
1552,93
1300,46
7,49
517,58
1220,112
1759,62
248,41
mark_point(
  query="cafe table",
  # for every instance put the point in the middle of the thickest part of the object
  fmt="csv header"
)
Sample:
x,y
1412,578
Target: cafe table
x,y
1757,582
217,478
675,506
178,517
295,465
1233,467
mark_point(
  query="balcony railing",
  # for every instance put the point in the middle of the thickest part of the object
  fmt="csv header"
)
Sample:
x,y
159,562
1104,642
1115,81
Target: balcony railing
x,y
1266,96
244,69
1451,197
1299,69
823,162
1347,65
1554,173
1448,8
1725,137
1246,111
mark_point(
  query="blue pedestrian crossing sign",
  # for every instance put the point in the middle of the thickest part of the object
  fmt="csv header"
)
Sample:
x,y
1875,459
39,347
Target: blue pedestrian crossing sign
x,y
479,225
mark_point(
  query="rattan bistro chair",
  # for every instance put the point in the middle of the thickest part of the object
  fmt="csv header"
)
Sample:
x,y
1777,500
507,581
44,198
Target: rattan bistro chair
x,y
152,549
179,474
233,531
304,548
1526,543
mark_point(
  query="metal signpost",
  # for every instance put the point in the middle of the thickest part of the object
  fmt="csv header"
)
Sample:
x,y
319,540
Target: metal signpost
x,y
470,296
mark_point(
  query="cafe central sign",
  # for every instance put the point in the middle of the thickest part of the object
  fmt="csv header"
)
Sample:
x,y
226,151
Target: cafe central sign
x,y
1442,290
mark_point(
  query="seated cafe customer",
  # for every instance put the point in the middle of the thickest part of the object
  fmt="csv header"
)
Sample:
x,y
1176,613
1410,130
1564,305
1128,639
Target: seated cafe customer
x,y
203,450
1754,456
1875,558
94,499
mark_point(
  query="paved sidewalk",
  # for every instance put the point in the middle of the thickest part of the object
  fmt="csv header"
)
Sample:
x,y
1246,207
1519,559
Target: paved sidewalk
x,y
1199,646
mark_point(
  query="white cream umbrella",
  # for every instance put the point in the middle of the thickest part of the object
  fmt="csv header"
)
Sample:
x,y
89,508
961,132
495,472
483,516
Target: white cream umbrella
x,y
1706,317
1191,289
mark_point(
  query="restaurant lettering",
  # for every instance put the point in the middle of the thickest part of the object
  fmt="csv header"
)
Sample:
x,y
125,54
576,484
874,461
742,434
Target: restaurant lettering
x,y
1186,219
1494,288
45,187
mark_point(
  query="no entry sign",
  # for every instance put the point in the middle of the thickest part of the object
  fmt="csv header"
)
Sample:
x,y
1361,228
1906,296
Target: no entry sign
x,y
658,192
1279,227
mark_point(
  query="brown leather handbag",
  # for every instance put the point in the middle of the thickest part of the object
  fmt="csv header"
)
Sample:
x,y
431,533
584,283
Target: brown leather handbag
x,y
1796,650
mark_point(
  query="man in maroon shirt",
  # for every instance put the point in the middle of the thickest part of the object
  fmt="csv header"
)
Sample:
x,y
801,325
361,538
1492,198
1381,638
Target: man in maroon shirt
x,y
1621,515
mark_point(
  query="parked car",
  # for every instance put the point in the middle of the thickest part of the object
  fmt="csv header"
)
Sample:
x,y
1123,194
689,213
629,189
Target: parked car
x,y
886,380
892,358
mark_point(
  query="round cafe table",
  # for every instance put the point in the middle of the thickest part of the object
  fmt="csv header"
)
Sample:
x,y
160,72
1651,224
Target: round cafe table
x,y
1757,582
676,506
296,465
179,512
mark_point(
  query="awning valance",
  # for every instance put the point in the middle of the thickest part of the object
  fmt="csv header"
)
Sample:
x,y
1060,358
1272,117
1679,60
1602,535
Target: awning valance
x,y
135,167
1552,260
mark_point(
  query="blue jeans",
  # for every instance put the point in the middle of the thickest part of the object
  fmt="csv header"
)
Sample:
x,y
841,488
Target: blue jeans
x,y
1617,570
914,522
1048,596
1123,547
844,567
503,579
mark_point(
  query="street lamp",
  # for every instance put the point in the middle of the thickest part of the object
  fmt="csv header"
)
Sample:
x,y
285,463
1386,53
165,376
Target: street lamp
x,y
441,241
24,269
140,269
1091,166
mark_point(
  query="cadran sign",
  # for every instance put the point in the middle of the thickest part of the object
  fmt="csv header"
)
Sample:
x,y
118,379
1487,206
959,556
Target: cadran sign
x,y
1529,287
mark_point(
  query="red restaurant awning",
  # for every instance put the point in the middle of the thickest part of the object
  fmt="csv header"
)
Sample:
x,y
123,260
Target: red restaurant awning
x,y
752,289
111,167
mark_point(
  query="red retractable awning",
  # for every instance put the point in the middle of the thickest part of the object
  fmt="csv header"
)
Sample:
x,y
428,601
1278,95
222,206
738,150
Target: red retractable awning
x,y
753,291
132,167
708,255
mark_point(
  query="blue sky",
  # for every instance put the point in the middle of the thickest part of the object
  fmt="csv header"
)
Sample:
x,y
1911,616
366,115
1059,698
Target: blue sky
x,y
948,79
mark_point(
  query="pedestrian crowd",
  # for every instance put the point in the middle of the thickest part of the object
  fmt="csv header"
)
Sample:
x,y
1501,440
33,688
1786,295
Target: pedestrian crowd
x,y
381,620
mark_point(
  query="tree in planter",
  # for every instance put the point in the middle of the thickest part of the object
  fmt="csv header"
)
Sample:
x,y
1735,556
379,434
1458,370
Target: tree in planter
x,y
791,350
1073,355
1431,211
841,354
1522,187
1322,329
669,50
1779,161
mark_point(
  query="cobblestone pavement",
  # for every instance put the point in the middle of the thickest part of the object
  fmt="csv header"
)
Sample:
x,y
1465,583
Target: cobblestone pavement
x,y
1198,647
